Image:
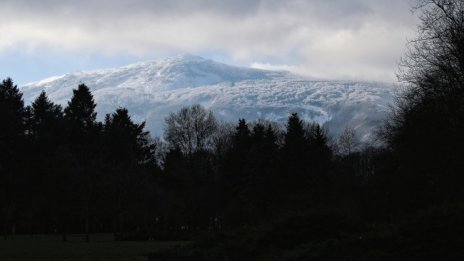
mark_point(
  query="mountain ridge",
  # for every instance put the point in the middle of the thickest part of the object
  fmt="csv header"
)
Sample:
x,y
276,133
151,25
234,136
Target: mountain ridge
x,y
151,90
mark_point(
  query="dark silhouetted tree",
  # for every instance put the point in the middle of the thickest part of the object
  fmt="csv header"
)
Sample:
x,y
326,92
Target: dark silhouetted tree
x,y
127,143
127,152
295,152
295,139
12,149
320,155
347,142
320,151
46,178
191,129
425,128
81,109
83,139
45,117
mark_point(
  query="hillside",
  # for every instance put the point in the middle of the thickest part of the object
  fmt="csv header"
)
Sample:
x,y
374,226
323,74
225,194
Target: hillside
x,y
151,90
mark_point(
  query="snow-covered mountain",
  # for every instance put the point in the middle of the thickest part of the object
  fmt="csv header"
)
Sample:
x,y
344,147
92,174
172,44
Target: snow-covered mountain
x,y
151,90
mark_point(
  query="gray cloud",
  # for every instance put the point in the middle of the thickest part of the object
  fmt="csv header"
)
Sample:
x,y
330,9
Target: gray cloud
x,y
357,39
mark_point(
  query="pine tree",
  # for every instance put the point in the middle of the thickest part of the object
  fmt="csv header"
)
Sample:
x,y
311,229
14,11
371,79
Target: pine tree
x,y
318,140
45,118
47,180
295,139
82,128
263,149
12,148
270,138
81,108
126,142
241,138
83,133
320,153
13,114
295,150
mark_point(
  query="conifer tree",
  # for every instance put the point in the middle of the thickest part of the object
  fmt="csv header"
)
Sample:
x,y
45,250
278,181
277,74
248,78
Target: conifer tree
x,y
320,153
83,133
12,148
127,142
295,140
46,178
80,111
13,115
295,150
45,118
242,137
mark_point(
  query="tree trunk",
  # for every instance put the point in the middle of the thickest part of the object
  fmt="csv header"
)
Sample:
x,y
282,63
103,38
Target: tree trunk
x,y
6,228
86,224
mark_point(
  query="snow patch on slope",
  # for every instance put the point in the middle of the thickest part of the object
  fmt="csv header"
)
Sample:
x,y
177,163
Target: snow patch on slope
x,y
151,90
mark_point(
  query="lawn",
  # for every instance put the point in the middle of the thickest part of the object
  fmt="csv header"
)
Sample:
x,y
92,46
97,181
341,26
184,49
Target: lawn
x,y
101,247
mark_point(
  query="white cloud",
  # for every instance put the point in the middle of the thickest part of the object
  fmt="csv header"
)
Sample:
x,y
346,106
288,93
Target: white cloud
x,y
273,67
333,39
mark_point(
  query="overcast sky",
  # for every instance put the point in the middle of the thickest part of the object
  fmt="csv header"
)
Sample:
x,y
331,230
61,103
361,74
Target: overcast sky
x,y
335,39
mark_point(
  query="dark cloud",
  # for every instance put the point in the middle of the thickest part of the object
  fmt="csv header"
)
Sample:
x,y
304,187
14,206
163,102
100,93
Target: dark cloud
x,y
127,8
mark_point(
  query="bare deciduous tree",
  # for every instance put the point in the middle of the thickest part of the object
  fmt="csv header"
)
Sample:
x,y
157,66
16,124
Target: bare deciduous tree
x,y
191,129
348,141
432,69
438,49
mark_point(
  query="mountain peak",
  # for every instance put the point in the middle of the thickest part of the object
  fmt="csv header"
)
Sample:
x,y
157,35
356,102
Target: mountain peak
x,y
188,57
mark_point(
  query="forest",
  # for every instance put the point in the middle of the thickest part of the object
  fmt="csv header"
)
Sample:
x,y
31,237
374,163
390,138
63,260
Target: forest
x,y
251,190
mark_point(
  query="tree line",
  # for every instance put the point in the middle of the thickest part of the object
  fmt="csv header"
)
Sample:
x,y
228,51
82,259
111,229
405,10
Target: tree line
x,y
62,171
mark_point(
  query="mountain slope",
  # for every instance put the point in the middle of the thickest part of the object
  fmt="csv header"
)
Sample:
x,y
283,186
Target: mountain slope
x,y
151,90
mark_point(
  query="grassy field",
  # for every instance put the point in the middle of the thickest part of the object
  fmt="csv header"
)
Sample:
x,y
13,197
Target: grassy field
x,y
101,247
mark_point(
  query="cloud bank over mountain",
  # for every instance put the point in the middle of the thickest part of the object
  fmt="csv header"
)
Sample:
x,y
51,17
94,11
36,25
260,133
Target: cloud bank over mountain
x,y
358,39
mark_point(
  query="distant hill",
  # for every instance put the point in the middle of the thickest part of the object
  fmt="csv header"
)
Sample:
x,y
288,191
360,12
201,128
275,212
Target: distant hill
x,y
151,90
